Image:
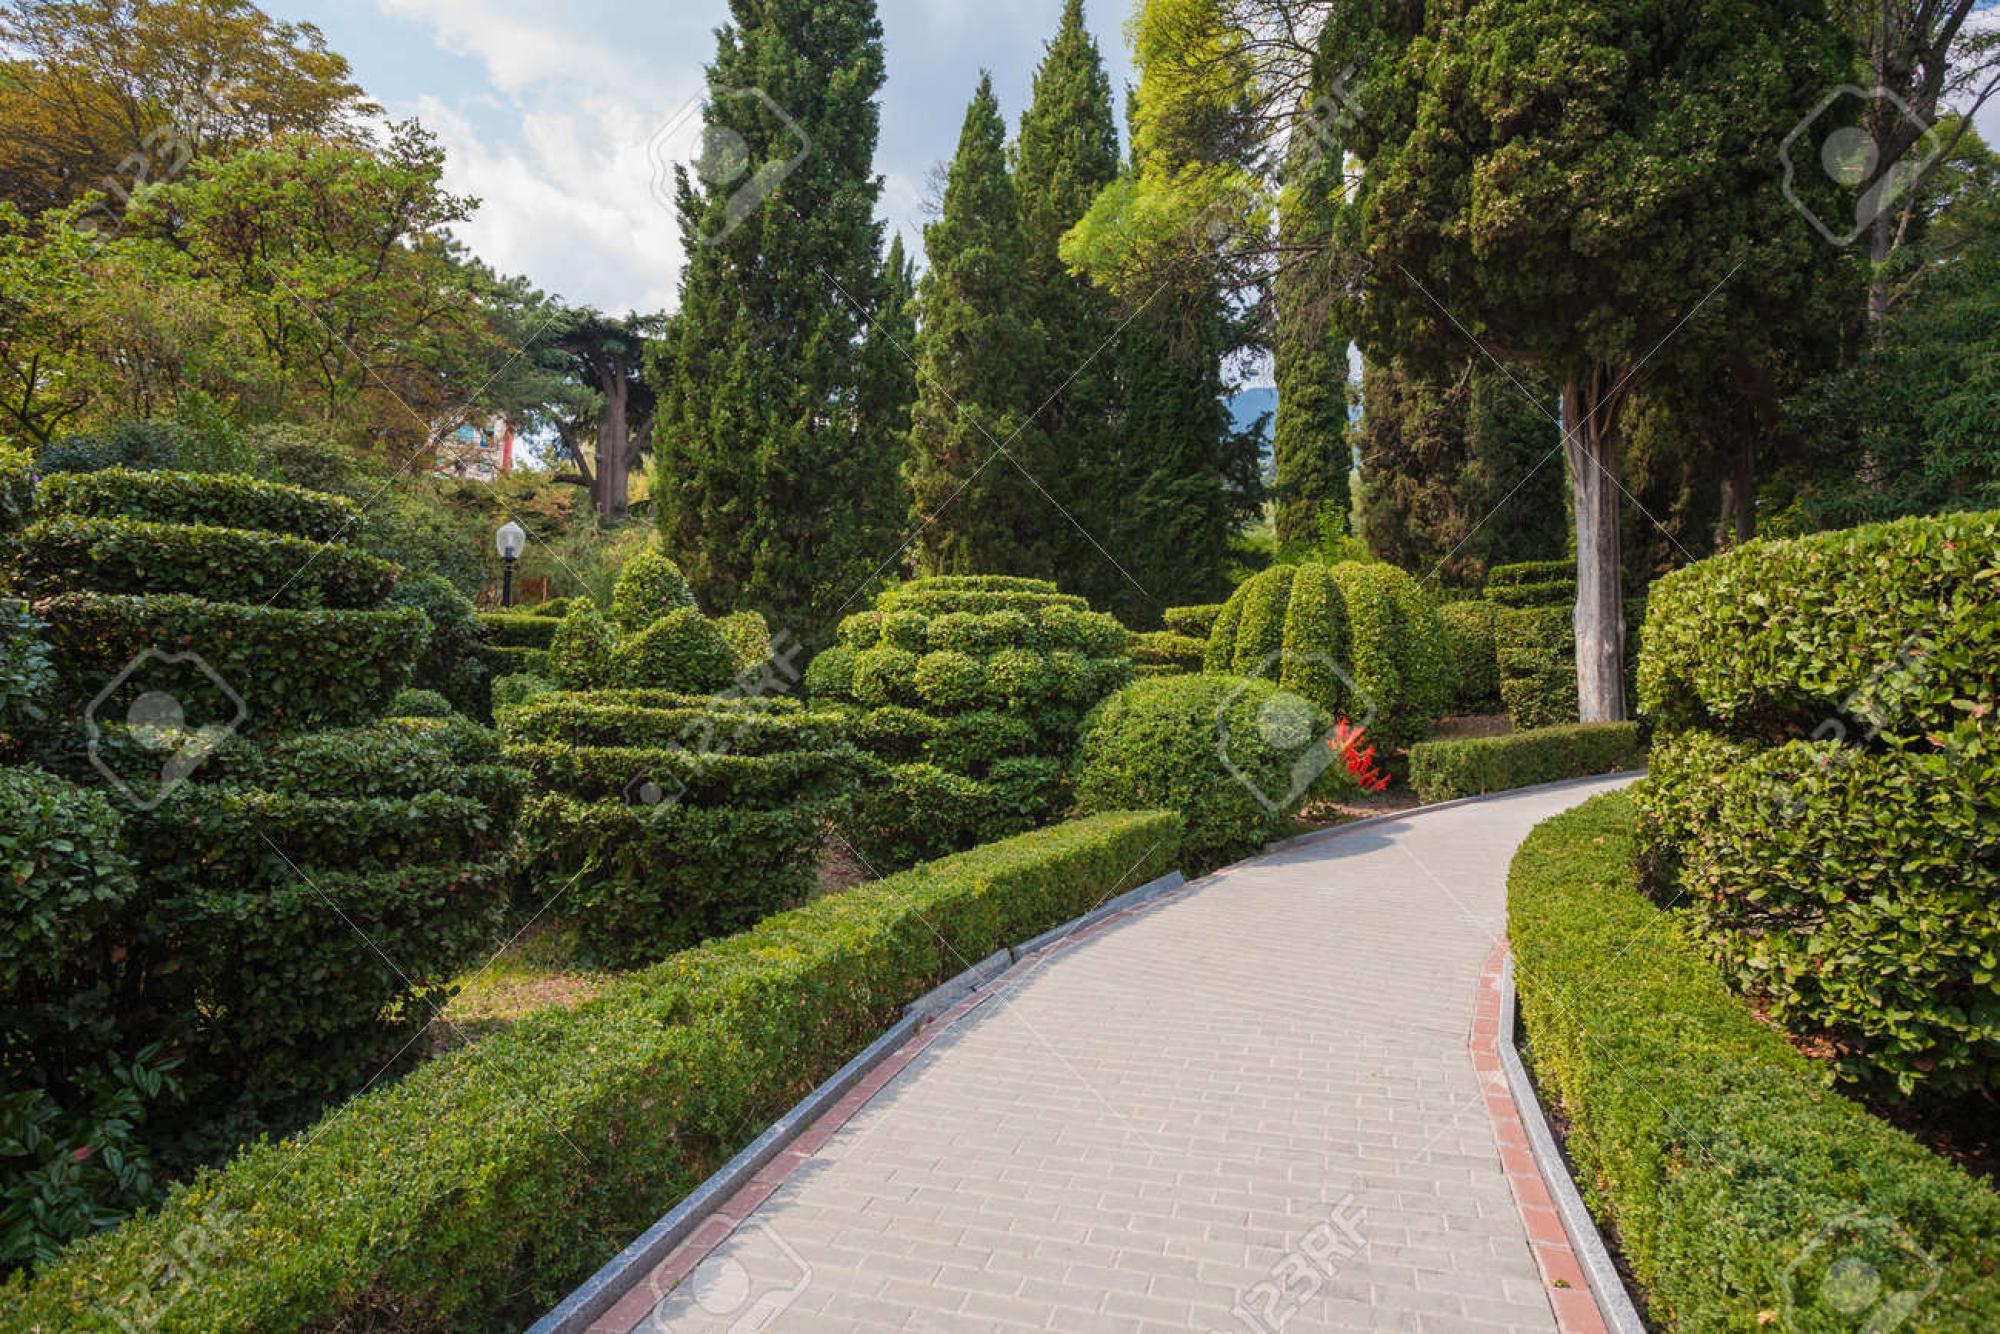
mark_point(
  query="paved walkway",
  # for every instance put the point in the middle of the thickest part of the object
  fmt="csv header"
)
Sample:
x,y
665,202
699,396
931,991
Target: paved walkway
x,y
1246,1109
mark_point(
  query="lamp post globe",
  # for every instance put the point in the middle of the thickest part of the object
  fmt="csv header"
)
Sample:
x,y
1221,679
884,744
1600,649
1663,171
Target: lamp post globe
x,y
510,541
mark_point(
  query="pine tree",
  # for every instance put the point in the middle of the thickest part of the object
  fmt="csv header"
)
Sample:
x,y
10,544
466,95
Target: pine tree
x,y
1461,475
889,378
772,493
1309,445
1065,154
976,455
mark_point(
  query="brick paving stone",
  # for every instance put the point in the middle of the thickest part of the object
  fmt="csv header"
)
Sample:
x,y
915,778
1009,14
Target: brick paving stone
x,y
1247,1107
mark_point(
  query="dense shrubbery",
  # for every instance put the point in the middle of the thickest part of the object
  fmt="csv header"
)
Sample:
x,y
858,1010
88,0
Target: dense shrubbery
x,y
1194,622
456,1198
225,564
1163,652
1234,755
1535,655
1361,641
300,894
1469,635
1826,794
970,691
665,819
452,662
1742,1194
516,629
1445,770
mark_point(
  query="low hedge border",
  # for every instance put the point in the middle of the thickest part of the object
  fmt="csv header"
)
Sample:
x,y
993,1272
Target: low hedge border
x,y
1447,770
482,1188
1741,1189
513,629
1531,572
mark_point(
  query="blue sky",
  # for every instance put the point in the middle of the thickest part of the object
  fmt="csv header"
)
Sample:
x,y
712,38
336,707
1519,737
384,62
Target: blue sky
x,y
547,111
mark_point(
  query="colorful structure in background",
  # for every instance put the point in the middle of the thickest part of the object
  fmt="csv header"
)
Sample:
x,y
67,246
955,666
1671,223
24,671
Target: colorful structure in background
x,y
474,451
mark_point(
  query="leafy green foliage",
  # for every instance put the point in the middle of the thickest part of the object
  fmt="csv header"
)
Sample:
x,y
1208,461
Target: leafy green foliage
x,y
1855,891
452,663
1731,1176
1469,637
778,437
1233,756
420,704
1194,622
1535,651
514,629
980,682
579,654
226,564
649,587
1447,770
203,499
681,651
1163,651
517,688
64,870
443,1192
26,676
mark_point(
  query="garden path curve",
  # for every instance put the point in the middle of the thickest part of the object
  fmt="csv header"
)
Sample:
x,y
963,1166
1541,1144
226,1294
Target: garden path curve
x,y
1249,1106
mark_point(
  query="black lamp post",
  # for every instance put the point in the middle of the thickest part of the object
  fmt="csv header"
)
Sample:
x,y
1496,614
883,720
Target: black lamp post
x,y
512,539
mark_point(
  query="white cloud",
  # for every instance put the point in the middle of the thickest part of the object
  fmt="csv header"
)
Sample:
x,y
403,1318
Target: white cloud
x,y
521,42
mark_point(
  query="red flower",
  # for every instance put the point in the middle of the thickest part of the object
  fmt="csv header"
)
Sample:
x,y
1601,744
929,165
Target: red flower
x,y
1359,759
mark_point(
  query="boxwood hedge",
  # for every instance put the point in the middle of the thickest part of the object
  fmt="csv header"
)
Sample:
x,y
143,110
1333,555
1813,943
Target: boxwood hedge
x,y
1446,770
1531,573
1194,622
1164,652
477,1191
1743,1193
206,499
978,682
1469,638
513,629
226,564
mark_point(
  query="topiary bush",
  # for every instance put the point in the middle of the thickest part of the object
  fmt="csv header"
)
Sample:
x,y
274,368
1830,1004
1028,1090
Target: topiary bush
x,y
1823,796
1470,638
1163,652
453,662
1235,756
649,587
1447,770
1361,641
979,684
457,1198
420,704
1194,622
682,651
662,819
1742,1194
247,827
579,653
1535,657
518,688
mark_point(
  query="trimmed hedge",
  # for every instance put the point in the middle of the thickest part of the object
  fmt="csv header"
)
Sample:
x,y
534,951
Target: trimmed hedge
x,y
649,587
1233,755
292,669
480,1189
201,498
661,826
65,872
980,683
453,662
1447,770
682,650
1892,626
1194,622
579,654
1856,891
1743,1194
514,629
1535,654
1361,641
1469,637
1165,652
1531,572
226,564
1558,594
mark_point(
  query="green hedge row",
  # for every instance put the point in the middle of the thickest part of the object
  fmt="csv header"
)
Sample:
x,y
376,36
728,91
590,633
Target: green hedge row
x,y
205,499
976,594
1531,572
662,720
1447,770
1857,891
225,564
1892,627
1469,637
1744,1195
514,629
1164,651
1558,594
292,669
1361,641
1194,622
480,1189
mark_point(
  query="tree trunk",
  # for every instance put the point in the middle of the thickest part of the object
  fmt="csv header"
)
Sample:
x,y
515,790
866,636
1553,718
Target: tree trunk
x,y
1589,443
614,460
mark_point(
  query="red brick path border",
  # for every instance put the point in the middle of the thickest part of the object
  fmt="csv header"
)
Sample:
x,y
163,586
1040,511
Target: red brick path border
x,y
1568,1289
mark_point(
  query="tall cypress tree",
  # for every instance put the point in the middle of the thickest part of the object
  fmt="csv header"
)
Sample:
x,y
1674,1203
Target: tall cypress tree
x,y
771,494
981,352
1439,459
889,376
1065,154
1309,444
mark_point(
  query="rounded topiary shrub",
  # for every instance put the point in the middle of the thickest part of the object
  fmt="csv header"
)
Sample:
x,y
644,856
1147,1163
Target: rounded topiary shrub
x,y
976,686
683,651
1362,641
1234,755
1468,634
649,586
579,655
